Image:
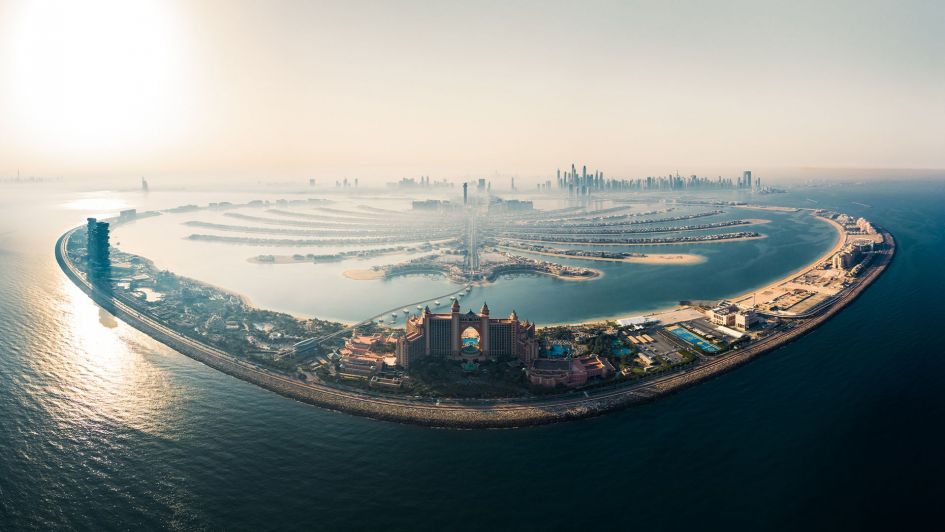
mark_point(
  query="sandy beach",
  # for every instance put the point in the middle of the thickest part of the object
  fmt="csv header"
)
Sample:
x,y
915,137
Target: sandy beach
x,y
681,310
841,241
363,275
611,244
680,259
598,275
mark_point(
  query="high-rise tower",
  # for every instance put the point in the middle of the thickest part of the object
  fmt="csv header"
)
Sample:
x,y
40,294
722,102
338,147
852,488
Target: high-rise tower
x,y
97,248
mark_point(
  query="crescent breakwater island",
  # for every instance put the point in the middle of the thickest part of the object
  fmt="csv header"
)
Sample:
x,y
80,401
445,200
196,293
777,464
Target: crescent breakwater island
x,y
449,368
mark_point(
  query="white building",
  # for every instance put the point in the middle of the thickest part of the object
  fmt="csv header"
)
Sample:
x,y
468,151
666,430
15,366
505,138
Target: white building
x,y
744,319
723,314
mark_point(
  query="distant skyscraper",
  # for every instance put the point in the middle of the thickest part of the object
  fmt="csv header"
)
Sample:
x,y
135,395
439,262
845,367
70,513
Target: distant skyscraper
x,y
465,193
746,178
144,185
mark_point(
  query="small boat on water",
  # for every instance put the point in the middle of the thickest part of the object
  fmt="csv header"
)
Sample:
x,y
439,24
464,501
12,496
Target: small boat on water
x,y
437,302
406,310
419,307
393,315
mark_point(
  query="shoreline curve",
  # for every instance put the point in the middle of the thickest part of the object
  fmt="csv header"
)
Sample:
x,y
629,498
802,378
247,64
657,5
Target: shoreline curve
x,y
465,413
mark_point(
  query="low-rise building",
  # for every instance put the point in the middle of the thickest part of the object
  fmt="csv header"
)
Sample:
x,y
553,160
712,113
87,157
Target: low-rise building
x,y
865,226
355,367
570,372
723,314
387,382
359,345
847,258
744,319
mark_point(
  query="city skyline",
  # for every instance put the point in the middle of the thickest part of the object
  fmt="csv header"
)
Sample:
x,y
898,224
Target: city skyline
x,y
375,91
427,264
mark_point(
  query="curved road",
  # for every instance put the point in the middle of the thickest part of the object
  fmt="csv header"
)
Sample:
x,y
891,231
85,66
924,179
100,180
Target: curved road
x,y
459,413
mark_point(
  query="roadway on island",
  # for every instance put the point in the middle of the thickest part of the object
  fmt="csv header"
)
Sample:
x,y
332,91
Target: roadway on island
x,y
463,413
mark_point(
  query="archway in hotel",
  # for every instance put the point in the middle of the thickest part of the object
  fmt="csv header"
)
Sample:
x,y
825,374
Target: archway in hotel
x,y
470,342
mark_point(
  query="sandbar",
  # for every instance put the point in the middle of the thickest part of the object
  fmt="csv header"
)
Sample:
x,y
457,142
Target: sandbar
x,y
363,275
680,259
614,243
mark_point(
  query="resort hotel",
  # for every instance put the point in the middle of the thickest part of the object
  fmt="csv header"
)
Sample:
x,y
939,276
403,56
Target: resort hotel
x,y
468,336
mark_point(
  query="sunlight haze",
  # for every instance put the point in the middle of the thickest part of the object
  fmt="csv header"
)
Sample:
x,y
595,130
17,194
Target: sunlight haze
x,y
382,89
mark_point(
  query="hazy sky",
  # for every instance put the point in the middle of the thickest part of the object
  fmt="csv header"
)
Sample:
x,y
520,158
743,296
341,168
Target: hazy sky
x,y
299,88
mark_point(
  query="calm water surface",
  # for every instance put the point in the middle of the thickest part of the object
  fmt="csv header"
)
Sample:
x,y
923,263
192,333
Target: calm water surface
x,y
792,241
102,428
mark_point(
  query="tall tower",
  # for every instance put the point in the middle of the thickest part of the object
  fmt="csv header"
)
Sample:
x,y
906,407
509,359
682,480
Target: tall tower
x,y
454,328
97,248
484,339
465,193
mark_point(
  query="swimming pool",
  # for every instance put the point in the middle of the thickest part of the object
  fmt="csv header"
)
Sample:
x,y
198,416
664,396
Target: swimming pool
x,y
690,338
619,349
556,351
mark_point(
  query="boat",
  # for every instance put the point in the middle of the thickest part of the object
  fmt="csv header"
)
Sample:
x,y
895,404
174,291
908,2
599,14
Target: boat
x,y
437,302
419,307
393,315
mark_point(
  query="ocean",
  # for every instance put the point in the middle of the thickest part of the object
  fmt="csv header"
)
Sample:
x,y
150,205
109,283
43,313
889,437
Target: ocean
x,y
102,428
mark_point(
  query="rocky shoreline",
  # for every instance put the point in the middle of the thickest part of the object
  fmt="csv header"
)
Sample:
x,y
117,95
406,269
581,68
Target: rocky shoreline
x,y
465,414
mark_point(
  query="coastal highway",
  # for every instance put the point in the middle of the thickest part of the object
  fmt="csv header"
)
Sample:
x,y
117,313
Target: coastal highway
x,y
456,412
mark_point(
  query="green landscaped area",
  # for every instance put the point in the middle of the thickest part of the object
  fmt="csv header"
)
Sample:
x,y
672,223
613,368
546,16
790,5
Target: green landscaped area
x,y
435,377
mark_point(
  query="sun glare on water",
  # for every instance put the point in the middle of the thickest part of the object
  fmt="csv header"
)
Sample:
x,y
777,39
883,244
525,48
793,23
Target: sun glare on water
x,y
96,204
